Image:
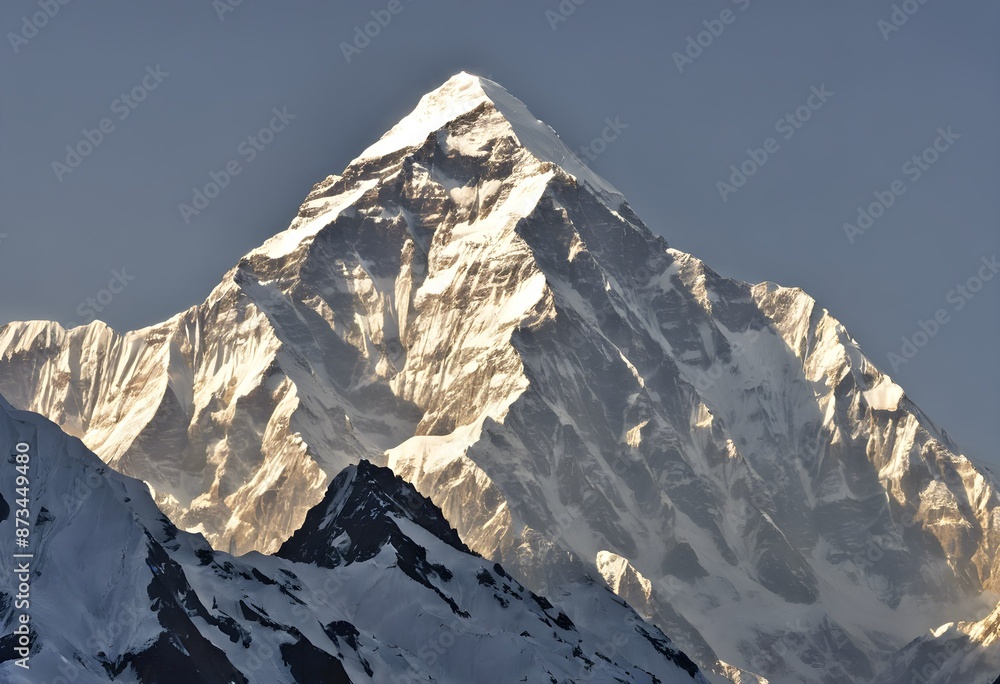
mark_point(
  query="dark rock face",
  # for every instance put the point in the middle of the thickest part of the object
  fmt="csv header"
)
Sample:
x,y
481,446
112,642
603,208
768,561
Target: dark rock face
x,y
361,504
310,664
356,520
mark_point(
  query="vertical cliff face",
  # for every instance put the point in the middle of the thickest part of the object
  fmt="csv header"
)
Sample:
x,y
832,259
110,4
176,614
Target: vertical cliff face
x,y
471,306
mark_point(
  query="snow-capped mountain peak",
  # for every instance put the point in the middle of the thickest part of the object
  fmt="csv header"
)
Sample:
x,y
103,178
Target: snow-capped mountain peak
x,y
461,96
495,324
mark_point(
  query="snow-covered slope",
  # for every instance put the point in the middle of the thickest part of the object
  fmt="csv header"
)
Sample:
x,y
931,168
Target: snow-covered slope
x,y
375,587
955,652
470,305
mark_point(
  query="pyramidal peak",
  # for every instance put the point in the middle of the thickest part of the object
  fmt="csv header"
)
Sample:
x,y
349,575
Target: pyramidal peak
x,y
576,398
466,116
462,94
456,97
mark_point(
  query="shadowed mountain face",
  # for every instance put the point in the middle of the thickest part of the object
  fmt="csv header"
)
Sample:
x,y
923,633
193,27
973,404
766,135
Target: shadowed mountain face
x,y
376,586
471,306
348,512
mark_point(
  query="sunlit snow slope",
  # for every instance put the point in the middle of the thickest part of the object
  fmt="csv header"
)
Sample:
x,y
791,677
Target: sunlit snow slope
x,y
470,305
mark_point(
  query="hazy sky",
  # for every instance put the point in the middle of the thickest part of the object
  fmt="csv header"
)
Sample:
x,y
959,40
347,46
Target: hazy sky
x,y
864,99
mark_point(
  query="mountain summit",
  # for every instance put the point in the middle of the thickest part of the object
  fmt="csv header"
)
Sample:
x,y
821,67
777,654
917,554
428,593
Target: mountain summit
x,y
470,305
464,94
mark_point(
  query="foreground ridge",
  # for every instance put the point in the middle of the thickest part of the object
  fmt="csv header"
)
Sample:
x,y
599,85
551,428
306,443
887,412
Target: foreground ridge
x,y
156,604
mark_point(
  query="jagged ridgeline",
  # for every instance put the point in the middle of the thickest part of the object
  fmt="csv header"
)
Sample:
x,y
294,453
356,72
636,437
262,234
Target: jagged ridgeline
x,y
471,306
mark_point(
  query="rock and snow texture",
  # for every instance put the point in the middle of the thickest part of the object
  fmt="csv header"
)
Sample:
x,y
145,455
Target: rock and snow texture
x,y
955,652
471,306
376,587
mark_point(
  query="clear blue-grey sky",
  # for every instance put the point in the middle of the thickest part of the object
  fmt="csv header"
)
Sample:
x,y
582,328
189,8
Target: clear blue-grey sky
x,y
209,75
